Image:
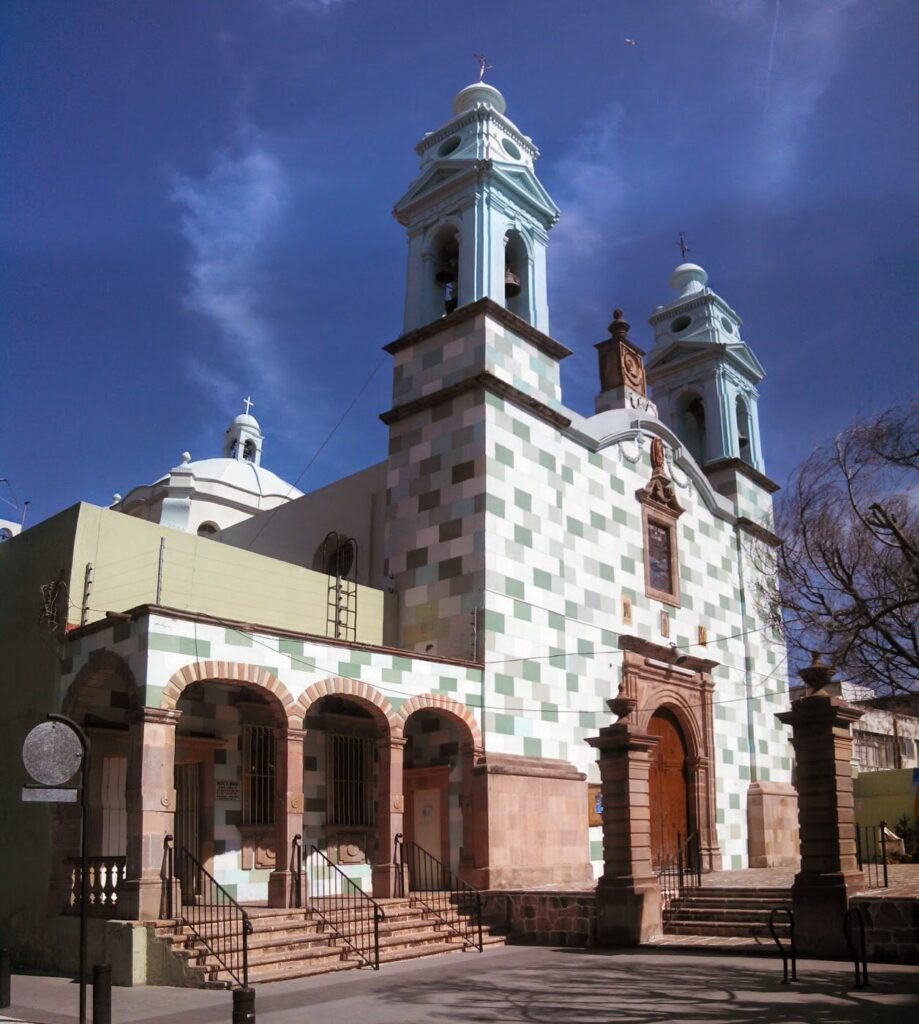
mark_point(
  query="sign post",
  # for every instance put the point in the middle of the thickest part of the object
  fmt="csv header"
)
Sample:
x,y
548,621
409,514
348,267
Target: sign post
x,y
53,753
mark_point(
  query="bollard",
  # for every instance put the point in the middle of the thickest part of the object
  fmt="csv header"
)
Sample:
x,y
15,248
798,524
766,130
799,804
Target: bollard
x,y
5,971
243,1006
102,994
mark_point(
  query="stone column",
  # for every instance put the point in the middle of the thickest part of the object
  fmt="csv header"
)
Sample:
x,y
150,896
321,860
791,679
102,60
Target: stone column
x,y
288,814
821,736
471,817
391,809
628,893
151,799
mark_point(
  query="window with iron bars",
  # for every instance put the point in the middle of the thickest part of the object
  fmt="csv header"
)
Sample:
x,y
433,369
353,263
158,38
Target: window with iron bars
x,y
874,750
349,780
258,780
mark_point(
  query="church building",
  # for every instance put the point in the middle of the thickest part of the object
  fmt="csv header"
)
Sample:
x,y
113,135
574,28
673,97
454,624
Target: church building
x,y
424,648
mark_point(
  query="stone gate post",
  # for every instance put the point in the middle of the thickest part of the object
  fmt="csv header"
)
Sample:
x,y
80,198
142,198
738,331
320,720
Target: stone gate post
x,y
628,892
392,805
288,813
822,740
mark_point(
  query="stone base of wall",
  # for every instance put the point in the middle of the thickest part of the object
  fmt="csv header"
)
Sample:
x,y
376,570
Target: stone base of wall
x,y
891,928
772,825
543,918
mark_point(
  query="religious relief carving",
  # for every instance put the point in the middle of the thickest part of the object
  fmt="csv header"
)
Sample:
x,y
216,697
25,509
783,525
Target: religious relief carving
x,y
659,494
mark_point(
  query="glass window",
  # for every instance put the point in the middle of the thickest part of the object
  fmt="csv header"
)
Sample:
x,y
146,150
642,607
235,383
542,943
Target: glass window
x,y
660,561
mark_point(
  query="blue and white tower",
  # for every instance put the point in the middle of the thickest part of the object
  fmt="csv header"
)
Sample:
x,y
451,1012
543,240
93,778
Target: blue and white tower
x,y
704,375
477,217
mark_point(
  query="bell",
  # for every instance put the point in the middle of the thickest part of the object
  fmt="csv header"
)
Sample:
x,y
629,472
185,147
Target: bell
x,y
511,284
445,276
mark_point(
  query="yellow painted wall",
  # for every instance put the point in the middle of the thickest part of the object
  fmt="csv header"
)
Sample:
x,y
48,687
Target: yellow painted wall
x,y
204,576
886,796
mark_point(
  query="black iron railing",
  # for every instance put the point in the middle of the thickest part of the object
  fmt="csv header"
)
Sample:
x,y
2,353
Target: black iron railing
x,y
682,871
346,910
860,951
432,885
871,846
218,922
791,953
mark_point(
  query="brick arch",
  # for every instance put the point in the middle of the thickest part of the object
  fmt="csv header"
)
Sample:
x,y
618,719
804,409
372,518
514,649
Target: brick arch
x,y
446,705
102,667
360,692
231,672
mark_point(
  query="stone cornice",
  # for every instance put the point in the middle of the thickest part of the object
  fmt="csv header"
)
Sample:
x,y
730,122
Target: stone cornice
x,y
488,306
745,469
487,382
648,649
759,532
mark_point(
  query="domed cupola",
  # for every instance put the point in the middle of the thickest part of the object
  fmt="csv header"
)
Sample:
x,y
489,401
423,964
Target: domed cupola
x,y
243,438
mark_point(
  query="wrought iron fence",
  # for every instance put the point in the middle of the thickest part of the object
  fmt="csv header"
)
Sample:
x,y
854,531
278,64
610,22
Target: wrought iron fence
x,y
105,875
871,847
346,910
682,871
432,885
205,907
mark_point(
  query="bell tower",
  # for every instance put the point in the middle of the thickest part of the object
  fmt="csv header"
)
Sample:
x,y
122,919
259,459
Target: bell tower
x,y
476,216
704,375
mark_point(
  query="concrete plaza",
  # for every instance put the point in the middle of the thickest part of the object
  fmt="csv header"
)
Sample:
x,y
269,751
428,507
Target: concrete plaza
x,y
513,984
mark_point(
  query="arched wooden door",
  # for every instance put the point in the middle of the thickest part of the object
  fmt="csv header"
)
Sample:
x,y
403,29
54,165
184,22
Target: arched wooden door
x,y
669,792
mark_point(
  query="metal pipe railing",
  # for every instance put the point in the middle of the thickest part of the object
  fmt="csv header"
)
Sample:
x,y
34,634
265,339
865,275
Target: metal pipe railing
x,y
682,870
346,910
792,952
432,885
215,918
860,953
871,853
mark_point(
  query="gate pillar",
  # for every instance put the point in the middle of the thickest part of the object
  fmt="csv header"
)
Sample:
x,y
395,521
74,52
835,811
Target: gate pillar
x,y
288,814
822,740
628,892
151,800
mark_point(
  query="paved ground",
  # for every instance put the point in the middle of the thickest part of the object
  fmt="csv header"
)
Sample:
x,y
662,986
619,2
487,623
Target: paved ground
x,y
530,985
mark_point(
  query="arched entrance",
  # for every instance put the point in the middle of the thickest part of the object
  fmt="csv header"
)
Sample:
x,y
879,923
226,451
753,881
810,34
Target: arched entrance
x,y
668,784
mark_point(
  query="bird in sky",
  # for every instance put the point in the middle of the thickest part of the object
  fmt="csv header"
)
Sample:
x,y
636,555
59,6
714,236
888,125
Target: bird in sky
x,y
630,42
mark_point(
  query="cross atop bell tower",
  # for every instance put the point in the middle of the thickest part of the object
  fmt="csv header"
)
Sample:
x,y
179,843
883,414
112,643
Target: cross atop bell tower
x,y
476,216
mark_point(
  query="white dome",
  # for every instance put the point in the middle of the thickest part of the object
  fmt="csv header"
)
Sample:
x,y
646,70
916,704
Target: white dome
x,y
239,474
245,420
478,92
687,279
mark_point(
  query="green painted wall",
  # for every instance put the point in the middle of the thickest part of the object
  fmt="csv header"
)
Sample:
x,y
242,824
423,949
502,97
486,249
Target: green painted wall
x,y
886,796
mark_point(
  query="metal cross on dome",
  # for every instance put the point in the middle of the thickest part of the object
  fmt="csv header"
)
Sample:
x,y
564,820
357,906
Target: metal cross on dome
x,y
483,65
248,403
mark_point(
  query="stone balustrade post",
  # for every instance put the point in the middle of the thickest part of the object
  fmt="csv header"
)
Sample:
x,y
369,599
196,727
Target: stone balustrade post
x,y
628,892
151,800
288,814
822,740
391,810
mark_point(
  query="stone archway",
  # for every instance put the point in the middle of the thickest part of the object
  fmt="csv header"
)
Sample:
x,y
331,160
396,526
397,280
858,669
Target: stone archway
x,y
655,683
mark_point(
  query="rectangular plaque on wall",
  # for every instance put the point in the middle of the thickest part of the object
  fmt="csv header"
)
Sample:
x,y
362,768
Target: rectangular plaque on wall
x,y
594,805
226,790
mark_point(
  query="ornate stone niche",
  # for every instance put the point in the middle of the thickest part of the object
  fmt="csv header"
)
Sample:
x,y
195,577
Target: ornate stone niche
x,y
660,511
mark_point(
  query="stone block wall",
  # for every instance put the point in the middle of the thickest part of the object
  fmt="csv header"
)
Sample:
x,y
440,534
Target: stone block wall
x,y
891,928
543,918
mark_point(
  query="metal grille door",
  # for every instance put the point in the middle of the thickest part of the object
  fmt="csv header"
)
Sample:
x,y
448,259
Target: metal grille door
x,y
188,818
349,769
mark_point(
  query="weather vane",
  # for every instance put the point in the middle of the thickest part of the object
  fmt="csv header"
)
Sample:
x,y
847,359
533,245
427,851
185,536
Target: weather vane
x,y
684,248
483,66
248,403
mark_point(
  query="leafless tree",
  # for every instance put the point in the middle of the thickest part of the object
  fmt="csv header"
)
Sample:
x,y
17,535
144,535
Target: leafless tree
x,y
846,580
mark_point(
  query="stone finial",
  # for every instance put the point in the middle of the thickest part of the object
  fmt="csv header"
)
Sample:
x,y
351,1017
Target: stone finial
x,y
619,328
817,676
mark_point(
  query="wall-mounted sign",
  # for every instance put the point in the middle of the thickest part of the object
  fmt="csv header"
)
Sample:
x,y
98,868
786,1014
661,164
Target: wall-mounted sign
x,y
52,753
594,805
226,789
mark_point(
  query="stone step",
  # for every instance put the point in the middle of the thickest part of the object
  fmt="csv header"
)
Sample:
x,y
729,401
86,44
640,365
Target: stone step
x,y
713,906
727,914
738,928
742,893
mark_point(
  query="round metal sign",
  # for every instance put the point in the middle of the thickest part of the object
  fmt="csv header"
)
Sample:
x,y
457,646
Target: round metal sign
x,y
52,753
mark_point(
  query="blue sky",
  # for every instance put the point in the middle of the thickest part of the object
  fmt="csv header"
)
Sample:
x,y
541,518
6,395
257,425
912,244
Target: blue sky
x,y
197,196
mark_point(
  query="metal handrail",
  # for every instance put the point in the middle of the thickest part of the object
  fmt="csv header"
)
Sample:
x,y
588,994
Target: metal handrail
x,y
871,853
443,894
346,909
296,889
215,918
859,958
792,951
682,870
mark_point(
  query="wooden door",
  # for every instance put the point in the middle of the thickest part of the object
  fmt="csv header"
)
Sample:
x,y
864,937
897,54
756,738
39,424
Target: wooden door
x,y
669,793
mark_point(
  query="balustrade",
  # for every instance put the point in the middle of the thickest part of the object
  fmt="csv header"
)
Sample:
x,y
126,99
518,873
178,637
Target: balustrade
x,y
106,875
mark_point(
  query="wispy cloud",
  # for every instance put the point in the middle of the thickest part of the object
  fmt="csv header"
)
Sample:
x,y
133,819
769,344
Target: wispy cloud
x,y
309,6
803,48
230,219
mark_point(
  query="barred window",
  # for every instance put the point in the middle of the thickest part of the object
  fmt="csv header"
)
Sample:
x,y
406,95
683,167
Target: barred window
x,y
874,750
349,780
258,780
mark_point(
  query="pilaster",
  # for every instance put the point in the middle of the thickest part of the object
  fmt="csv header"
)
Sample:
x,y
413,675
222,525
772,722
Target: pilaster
x,y
288,814
391,812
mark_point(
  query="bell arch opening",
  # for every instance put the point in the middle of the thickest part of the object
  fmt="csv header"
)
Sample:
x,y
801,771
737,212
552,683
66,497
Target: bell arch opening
x,y
443,274
517,285
692,429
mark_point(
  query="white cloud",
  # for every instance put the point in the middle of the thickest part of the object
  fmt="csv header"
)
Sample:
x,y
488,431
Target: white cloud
x,y
230,218
803,46
309,6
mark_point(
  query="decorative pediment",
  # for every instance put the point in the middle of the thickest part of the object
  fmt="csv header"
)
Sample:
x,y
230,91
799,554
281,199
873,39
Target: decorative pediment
x,y
659,494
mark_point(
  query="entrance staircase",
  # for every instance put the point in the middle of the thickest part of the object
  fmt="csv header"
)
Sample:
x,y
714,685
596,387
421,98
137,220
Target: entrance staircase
x,y
295,943
724,916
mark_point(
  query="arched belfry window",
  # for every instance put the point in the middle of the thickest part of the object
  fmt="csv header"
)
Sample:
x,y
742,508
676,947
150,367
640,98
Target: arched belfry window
x,y
249,451
443,286
517,275
744,431
692,425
